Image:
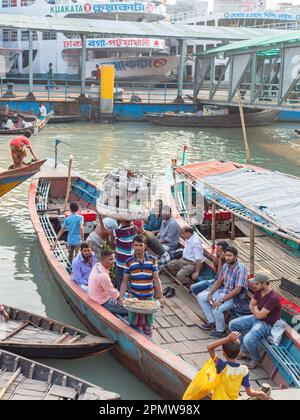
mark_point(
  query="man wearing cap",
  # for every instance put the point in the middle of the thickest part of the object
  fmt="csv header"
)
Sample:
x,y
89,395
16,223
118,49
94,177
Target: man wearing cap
x,y
169,233
265,306
17,147
100,237
228,292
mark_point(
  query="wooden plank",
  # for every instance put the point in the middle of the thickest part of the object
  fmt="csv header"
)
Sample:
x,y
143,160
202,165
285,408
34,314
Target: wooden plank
x,y
29,392
165,335
24,397
157,338
193,333
167,311
162,321
176,348
198,346
62,391
183,317
174,321
176,334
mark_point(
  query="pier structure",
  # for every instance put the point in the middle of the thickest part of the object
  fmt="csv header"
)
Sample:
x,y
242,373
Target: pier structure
x,y
266,72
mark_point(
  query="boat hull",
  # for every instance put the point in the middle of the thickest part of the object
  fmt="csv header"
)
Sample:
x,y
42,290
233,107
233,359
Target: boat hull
x,y
164,372
252,119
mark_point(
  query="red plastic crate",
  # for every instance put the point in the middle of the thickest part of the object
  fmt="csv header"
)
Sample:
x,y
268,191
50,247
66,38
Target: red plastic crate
x,y
88,215
220,215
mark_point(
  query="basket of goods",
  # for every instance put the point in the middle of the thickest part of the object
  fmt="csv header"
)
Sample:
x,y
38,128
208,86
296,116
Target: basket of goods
x,y
141,306
126,195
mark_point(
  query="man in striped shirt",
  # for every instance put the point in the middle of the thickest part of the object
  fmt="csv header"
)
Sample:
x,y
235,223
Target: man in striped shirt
x,y
124,235
142,273
228,292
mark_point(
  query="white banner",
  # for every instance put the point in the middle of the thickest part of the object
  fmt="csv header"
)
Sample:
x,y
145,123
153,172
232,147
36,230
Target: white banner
x,y
158,44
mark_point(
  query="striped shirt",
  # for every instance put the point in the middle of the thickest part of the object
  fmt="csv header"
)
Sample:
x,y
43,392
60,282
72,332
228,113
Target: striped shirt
x,y
141,276
234,276
124,244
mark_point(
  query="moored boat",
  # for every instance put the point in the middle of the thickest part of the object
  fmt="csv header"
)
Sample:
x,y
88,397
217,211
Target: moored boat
x,y
169,361
25,379
32,335
63,119
217,120
10,179
36,127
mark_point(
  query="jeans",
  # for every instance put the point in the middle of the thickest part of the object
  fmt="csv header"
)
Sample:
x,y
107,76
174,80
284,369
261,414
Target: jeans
x,y
214,315
201,285
252,331
119,277
112,306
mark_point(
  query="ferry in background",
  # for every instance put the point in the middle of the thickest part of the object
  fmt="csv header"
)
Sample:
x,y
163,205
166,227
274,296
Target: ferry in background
x,y
133,58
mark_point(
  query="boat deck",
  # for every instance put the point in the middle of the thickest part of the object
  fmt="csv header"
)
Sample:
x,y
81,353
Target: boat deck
x,y
177,330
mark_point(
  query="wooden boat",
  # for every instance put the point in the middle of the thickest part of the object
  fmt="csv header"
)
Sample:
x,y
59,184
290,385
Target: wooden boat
x,y
64,119
32,335
230,120
10,179
169,361
25,379
297,132
36,127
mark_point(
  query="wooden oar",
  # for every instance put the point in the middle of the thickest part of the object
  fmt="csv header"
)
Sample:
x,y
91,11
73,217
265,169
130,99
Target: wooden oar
x,y
68,182
14,332
9,383
248,155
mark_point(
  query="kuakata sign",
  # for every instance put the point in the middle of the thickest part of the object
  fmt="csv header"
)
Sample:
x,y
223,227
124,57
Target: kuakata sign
x,y
117,7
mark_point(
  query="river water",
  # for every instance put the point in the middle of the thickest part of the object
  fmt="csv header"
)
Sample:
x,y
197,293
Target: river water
x,y
26,281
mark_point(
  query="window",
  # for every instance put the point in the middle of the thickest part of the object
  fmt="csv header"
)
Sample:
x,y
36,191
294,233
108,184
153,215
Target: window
x,y
173,50
25,36
189,72
209,47
218,73
49,36
211,23
27,2
199,49
190,49
9,3
10,36
200,23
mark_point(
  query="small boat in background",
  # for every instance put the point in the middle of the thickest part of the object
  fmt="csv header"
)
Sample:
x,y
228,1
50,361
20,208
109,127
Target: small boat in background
x,y
218,119
37,126
10,179
64,119
25,379
32,335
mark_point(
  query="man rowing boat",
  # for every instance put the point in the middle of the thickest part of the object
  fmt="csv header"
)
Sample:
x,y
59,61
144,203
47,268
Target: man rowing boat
x,y
18,152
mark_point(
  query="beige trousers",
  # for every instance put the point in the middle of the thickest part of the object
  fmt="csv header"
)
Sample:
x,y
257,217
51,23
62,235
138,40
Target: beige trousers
x,y
183,270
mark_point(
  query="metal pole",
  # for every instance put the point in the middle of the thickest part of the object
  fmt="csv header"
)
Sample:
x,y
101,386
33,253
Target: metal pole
x,y
211,77
182,44
30,59
83,64
253,77
213,225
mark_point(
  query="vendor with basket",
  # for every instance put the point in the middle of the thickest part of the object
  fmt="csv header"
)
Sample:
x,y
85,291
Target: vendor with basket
x,y
144,284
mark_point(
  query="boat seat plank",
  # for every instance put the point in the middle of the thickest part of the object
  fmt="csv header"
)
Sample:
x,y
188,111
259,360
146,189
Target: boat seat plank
x,y
174,321
193,333
176,348
166,335
62,391
162,322
19,397
99,394
176,334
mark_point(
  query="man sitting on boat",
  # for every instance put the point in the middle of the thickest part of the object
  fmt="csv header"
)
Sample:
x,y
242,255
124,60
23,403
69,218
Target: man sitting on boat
x,y
169,233
142,273
154,221
228,293
100,287
4,313
21,123
266,309
100,236
18,152
74,225
7,124
82,266
218,262
188,268
153,244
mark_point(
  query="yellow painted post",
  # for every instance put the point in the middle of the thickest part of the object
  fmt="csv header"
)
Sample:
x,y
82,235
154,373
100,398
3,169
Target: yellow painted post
x,y
107,84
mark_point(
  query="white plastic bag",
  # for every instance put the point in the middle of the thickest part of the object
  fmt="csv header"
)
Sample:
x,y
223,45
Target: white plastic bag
x,y
277,332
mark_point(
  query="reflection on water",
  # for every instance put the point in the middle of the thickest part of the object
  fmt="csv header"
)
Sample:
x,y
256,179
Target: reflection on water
x,y
25,279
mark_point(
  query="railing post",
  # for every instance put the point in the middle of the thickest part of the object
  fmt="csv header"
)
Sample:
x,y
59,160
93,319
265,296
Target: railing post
x,y
30,95
83,65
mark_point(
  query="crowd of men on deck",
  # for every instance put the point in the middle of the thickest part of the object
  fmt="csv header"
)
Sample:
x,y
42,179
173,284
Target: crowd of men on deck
x,y
133,254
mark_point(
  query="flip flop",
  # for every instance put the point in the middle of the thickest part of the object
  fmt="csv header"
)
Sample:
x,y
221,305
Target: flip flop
x,y
166,290
170,293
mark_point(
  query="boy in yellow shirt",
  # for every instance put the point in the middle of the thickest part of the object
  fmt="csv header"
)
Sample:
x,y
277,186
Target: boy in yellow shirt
x,y
231,374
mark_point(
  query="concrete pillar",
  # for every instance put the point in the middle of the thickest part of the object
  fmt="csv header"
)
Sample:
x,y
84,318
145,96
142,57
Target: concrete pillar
x,y
30,95
83,65
182,44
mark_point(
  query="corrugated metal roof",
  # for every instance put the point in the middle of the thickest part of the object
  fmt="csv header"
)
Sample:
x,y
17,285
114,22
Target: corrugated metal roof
x,y
119,28
285,38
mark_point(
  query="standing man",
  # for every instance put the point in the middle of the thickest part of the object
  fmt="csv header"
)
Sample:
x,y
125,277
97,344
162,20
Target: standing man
x,y
17,148
142,274
98,73
266,309
169,232
228,292
42,112
74,225
187,269
101,289
50,75
82,266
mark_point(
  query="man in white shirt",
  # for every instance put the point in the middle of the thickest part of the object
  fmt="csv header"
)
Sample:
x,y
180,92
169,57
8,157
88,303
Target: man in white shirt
x,y
8,124
188,268
43,111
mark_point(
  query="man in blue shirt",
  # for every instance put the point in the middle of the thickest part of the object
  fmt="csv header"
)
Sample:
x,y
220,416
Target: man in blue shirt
x,y
82,266
169,232
74,225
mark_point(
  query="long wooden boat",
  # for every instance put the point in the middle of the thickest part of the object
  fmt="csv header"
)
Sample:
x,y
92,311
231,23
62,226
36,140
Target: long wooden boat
x,y
10,179
230,120
64,119
169,361
32,335
37,126
25,379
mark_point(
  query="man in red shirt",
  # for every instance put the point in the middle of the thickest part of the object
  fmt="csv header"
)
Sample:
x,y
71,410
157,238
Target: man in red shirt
x,y
265,306
98,73
18,152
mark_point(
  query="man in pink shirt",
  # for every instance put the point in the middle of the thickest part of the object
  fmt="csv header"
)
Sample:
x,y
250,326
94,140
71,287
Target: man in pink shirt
x,y
101,289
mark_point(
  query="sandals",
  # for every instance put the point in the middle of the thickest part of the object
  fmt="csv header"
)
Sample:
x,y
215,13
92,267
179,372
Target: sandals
x,y
166,290
170,293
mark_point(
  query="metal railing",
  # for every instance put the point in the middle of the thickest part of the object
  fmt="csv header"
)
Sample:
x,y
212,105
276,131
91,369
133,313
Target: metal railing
x,y
64,90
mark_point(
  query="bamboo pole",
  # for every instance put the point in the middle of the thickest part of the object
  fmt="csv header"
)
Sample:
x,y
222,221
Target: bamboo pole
x,y
189,198
248,155
252,250
9,383
213,226
232,226
68,183
175,183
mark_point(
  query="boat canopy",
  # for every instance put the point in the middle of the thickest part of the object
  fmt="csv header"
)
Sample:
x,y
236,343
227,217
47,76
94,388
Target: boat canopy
x,y
275,194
